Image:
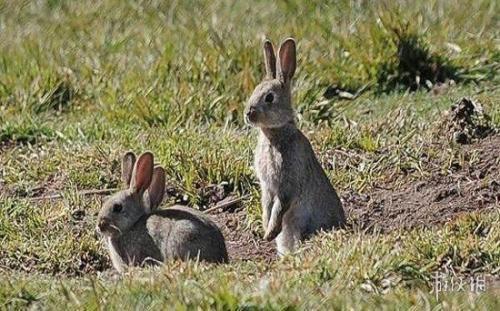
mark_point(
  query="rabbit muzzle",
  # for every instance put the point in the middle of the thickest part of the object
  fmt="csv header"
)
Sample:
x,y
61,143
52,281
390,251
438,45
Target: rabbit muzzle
x,y
252,115
104,226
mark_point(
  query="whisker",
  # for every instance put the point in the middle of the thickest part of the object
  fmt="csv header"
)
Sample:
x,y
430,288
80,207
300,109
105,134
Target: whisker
x,y
116,228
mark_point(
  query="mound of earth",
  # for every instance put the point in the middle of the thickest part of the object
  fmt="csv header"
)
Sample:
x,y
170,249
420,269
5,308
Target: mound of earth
x,y
242,243
434,200
466,122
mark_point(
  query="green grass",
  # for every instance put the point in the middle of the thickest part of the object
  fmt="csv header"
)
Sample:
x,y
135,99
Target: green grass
x,y
336,270
82,82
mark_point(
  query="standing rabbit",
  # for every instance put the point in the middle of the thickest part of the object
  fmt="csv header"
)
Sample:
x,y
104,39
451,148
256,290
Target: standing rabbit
x,y
137,233
297,196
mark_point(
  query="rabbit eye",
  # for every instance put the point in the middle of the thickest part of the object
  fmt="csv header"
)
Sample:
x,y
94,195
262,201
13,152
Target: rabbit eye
x,y
117,208
269,98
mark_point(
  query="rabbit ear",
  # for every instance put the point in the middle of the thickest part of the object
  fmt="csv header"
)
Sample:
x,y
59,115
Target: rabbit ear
x,y
269,60
287,60
156,190
142,174
128,162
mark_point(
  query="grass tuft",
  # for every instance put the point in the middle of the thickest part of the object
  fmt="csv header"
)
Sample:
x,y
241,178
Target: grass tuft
x,y
413,66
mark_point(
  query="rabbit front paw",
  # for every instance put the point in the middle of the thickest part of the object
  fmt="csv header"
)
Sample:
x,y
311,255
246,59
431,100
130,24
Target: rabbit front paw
x,y
272,232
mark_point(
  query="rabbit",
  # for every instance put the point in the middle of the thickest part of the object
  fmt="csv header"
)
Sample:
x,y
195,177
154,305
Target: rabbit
x,y
137,233
297,197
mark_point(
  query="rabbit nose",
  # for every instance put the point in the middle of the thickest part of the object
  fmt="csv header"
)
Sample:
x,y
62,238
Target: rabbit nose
x,y
252,114
103,224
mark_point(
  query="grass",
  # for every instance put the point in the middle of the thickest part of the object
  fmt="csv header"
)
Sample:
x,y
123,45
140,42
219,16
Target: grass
x,y
80,84
335,270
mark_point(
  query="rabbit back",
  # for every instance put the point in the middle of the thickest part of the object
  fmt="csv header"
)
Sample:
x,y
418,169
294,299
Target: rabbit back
x,y
181,233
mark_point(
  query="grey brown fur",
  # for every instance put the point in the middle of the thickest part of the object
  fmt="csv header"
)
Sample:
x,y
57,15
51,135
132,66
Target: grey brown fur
x,y
137,233
298,199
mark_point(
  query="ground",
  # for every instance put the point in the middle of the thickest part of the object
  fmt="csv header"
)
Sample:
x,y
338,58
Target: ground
x,y
407,203
400,101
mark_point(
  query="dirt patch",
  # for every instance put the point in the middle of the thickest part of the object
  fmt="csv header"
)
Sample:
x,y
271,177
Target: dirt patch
x,y
242,243
408,203
466,122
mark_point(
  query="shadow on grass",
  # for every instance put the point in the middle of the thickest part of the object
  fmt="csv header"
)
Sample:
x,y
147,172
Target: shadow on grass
x,y
413,66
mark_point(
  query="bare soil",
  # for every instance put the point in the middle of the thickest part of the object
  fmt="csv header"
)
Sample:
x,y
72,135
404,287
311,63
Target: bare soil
x,y
241,242
427,201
